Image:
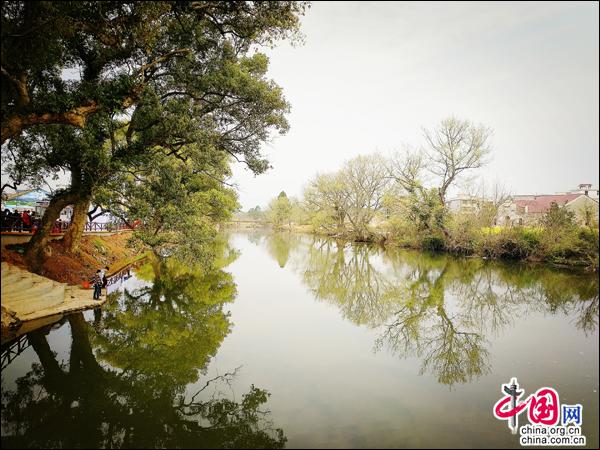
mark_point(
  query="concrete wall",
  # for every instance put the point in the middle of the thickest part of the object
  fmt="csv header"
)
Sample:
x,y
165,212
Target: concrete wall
x,y
581,205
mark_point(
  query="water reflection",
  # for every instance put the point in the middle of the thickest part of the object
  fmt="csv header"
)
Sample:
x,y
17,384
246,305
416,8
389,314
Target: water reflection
x,y
435,307
124,381
279,244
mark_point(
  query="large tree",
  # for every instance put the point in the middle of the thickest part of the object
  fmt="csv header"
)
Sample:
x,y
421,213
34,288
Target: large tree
x,y
84,154
199,94
365,182
327,200
454,147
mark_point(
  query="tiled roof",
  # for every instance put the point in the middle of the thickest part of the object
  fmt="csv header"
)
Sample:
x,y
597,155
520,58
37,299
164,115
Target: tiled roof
x,y
541,203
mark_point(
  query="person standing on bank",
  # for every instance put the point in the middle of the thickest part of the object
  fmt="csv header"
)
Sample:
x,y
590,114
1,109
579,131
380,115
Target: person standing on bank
x,y
104,277
97,285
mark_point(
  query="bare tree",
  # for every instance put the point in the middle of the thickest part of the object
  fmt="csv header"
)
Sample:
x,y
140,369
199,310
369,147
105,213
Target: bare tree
x,y
454,147
490,201
365,179
406,169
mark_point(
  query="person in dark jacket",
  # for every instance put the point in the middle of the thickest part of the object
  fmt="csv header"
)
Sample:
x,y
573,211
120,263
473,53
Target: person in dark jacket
x,y
104,277
97,281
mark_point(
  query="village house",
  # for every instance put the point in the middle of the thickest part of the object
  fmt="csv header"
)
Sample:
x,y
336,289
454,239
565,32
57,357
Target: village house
x,y
465,204
529,209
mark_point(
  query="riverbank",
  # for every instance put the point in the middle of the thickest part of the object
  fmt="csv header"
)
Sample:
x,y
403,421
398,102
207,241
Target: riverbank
x,y
577,248
95,252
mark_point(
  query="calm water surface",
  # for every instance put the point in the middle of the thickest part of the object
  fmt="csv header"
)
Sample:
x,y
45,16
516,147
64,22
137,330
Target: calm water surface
x,y
302,342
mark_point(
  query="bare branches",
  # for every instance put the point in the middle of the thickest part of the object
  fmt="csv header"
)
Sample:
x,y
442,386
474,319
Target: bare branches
x,y
226,377
454,147
406,169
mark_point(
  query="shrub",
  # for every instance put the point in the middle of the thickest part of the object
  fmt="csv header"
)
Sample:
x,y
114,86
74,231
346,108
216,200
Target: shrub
x,y
532,236
510,243
588,247
433,243
462,235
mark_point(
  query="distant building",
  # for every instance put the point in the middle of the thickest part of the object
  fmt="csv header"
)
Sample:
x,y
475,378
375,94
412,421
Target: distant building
x,y
465,204
529,209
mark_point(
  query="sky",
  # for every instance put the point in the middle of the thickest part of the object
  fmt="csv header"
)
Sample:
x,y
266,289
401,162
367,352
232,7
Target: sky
x,y
371,75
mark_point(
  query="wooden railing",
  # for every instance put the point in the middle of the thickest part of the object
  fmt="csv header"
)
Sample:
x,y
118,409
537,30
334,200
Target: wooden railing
x,y
60,227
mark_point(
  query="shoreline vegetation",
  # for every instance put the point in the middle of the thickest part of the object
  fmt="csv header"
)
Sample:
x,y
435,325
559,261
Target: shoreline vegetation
x,y
558,239
528,244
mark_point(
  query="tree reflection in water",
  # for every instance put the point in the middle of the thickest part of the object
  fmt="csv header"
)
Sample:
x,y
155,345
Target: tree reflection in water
x,y
125,381
439,308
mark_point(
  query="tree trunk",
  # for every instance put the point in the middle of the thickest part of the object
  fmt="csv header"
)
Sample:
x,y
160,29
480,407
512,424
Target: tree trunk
x,y
442,196
339,222
72,237
82,359
53,374
35,253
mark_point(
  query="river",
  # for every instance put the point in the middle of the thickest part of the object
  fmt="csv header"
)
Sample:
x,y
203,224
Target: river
x,y
296,341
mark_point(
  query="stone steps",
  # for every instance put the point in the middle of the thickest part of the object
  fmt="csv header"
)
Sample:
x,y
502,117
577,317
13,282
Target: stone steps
x,y
19,290
29,296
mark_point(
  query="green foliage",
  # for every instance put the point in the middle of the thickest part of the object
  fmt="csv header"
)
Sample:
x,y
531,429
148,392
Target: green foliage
x,y
176,203
511,243
558,218
256,213
325,200
280,211
433,243
588,247
345,202
419,220
462,234
426,211
120,48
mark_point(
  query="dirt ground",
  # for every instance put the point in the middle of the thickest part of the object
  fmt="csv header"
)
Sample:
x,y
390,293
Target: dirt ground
x,y
95,252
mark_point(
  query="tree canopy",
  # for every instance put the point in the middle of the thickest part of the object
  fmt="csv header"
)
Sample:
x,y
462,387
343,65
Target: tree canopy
x,y
118,50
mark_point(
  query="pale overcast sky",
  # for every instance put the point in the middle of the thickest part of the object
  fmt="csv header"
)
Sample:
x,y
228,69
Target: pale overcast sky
x,y
370,75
